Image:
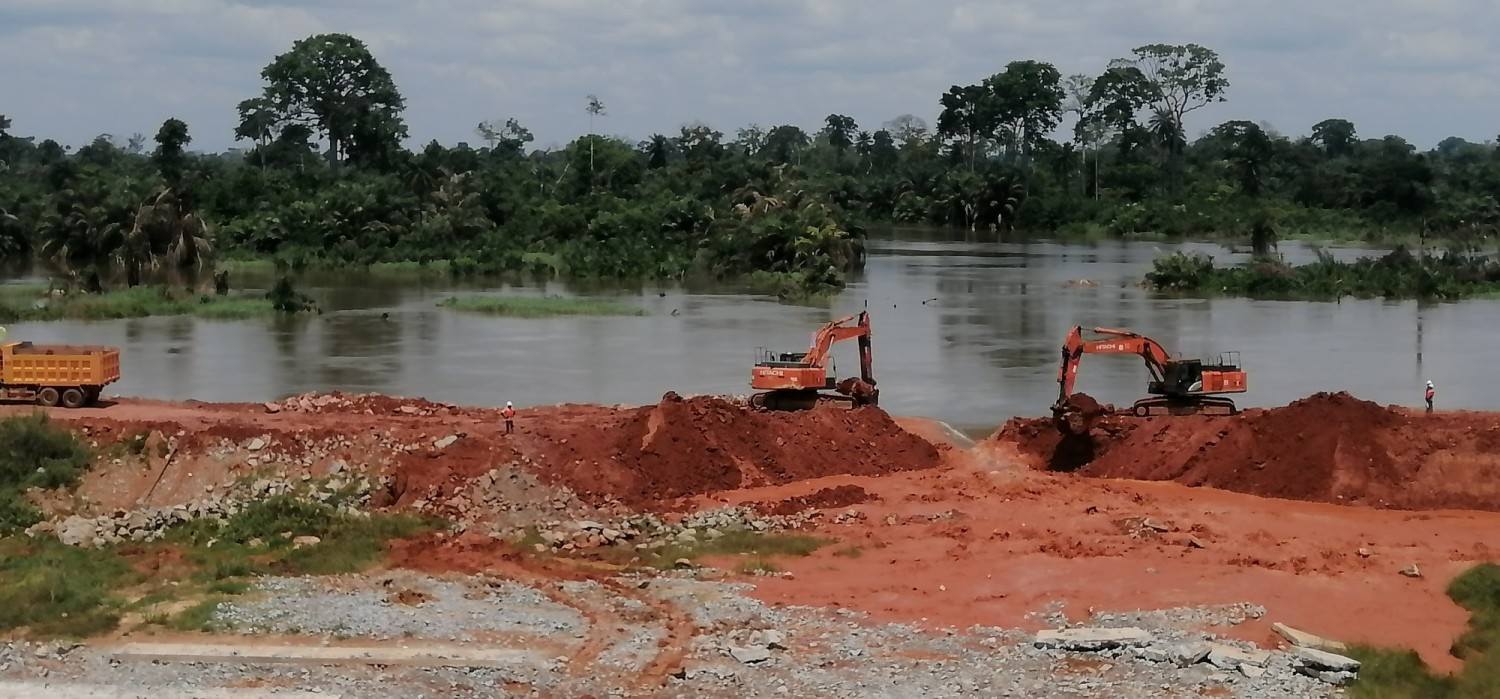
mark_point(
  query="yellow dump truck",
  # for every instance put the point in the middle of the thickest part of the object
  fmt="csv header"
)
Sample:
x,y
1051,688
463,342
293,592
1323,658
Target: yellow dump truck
x,y
68,375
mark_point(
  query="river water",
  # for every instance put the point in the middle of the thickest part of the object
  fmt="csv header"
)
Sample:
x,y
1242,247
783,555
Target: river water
x,y
967,329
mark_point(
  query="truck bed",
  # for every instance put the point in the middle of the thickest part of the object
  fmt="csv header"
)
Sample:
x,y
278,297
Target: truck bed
x,y
24,364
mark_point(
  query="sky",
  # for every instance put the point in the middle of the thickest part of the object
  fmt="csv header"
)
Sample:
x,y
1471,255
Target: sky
x,y
73,69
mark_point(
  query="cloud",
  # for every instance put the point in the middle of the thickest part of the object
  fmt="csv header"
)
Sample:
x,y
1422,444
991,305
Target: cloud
x,y
1419,68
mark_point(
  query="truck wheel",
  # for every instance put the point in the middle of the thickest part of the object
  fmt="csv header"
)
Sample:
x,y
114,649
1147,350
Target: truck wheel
x,y
48,396
73,398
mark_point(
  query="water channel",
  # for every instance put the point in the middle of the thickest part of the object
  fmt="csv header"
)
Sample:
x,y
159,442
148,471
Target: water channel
x,y
967,328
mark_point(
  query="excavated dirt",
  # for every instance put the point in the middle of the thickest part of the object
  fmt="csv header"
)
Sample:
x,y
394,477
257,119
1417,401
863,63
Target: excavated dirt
x,y
827,498
685,447
1329,447
984,537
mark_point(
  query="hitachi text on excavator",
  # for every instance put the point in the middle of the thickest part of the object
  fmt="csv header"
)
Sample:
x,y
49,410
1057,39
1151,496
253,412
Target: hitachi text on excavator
x,y
1177,386
795,380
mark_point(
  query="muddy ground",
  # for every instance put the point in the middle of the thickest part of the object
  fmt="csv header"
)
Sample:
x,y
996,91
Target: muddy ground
x,y
947,555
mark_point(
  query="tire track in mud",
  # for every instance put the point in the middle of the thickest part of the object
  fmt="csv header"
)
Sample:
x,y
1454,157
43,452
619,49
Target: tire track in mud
x,y
672,650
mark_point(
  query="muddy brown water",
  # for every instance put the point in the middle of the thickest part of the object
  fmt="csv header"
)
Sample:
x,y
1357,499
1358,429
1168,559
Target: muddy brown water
x,y
967,327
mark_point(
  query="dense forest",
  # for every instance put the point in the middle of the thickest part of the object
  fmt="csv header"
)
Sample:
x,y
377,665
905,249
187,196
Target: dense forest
x,y
323,179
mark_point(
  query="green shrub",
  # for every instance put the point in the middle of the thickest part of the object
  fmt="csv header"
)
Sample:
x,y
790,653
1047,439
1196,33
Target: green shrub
x,y
35,453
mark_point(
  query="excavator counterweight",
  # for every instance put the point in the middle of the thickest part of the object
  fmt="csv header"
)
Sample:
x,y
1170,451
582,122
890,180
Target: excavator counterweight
x,y
1177,386
797,380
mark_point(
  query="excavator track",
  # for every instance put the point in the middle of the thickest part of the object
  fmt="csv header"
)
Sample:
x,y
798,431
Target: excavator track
x,y
790,401
1199,405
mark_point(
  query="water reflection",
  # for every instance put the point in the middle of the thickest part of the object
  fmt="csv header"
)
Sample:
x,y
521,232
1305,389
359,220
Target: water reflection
x,y
981,348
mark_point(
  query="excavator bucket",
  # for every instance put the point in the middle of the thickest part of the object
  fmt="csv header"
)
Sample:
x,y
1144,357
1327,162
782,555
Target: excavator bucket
x,y
1077,414
863,393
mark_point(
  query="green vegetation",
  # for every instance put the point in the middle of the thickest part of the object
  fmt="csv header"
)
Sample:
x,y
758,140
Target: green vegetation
x,y
1386,674
19,304
325,182
1396,275
55,590
35,454
255,540
539,306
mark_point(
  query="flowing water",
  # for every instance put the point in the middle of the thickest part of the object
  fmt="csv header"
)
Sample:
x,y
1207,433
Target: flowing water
x,y
967,329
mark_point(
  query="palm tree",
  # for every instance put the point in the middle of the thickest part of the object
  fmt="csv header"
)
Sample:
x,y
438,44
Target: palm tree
x,y
12,236
83,236
164,231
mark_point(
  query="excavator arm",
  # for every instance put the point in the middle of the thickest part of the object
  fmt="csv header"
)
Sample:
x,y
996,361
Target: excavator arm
x,y
838,331
1120,342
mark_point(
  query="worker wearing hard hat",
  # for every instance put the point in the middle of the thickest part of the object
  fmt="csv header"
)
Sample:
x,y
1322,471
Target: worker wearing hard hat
x,y
1431,393
509,413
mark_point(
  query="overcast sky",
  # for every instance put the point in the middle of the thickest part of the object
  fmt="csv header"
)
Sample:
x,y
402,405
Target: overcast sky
x,y
72,69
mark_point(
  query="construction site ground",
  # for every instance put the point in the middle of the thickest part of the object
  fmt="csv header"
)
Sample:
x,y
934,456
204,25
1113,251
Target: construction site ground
x,y
941,558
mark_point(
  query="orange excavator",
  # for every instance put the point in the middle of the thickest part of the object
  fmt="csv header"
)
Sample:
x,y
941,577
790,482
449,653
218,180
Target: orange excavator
x,y
795,380
1178,386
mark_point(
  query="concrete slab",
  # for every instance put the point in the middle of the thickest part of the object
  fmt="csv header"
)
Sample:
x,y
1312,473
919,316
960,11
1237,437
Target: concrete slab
x,y
1305,639
1231,658
1092,639
1323,660
59,690
326,655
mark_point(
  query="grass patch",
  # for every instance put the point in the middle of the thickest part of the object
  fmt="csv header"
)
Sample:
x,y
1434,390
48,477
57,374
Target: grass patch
x,y
757,566
55,590
35,453
1398,274
199,617
51,589
538,306
1392,674
19,304
347,543
850,552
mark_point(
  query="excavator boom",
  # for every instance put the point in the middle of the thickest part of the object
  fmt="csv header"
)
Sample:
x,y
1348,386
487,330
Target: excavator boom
x,y
1178,386
793,380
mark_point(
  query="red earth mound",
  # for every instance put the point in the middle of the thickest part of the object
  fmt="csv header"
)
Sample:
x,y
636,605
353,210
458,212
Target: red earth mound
x,y
827,498
685,447
1327,447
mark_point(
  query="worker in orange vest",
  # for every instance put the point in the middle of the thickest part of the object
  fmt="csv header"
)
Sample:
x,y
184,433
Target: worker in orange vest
x,y
509,413
1430,393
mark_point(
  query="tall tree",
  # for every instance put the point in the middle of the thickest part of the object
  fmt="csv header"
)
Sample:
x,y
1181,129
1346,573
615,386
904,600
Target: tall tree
x,y
840,131
333,85
1027,101
907,130
1335,137
1179,79
968,115
1176,79
595,108
169,155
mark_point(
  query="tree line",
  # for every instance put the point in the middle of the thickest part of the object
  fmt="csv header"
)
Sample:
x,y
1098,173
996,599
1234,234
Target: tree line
x,y
324,180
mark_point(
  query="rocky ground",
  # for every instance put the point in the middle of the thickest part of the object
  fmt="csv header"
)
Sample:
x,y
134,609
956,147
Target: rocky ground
x,y
741,647
945,569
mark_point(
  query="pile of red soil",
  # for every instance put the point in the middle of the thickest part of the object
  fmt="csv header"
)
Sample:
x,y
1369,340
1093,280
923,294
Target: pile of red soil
x,y
825,499
1327,447
685,447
